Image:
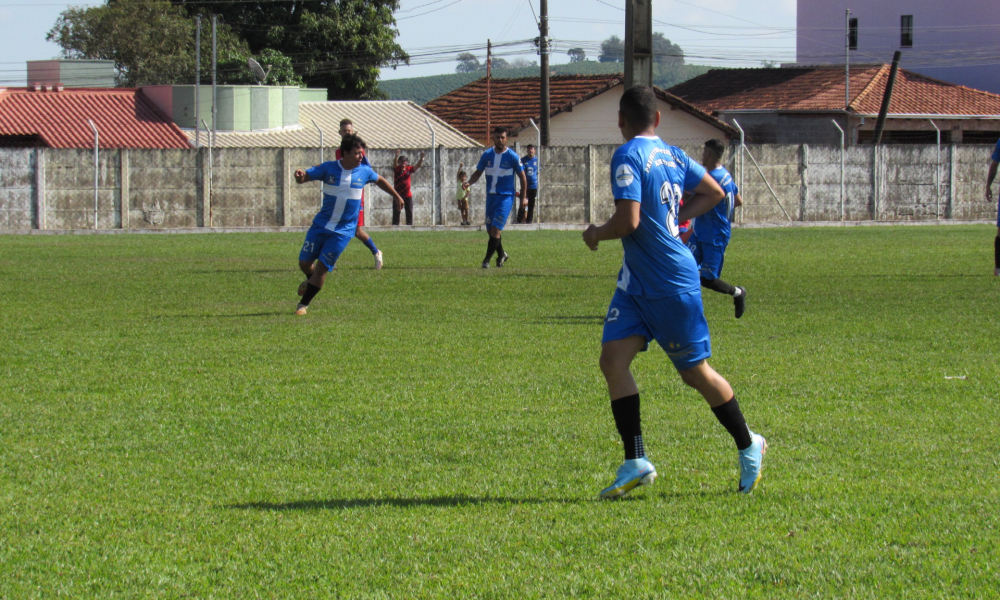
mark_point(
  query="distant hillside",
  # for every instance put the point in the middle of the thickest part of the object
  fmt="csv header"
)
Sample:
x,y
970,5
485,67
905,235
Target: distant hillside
x,y
424,89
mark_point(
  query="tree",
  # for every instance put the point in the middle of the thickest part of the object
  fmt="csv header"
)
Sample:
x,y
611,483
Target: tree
x,y
576,55
666,52
150,41
612,50
337,44
468,63
277,66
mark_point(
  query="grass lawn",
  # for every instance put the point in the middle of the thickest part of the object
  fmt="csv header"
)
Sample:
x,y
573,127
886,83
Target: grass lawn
x,y
168,428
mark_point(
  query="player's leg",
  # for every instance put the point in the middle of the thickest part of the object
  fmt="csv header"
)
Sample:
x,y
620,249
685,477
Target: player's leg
x,y
310,252
504,207
532,195
369,243
492,214
711,258
625,335
333,246
996,249
679,324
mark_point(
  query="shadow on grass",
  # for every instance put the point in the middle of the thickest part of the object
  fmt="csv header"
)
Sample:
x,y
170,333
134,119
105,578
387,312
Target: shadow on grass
x,y
217,271
343,504
226,316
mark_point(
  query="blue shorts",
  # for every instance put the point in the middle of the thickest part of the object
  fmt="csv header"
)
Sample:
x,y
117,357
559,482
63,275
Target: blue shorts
x,y
709,257
498,209
325,245
677,323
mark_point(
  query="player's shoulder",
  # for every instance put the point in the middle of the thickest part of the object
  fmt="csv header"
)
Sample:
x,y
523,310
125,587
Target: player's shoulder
x,y
722,175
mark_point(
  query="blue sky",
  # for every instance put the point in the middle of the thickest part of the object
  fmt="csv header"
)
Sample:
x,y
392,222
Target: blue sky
x,y
724,32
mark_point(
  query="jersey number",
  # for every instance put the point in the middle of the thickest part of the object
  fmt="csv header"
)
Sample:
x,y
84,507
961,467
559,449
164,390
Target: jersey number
x,y
612,316
670,194
309,247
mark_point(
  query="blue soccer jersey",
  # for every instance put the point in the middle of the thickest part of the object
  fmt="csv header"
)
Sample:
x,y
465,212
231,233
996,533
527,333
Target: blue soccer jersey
x,y
655,174
714,226
500,171
531,171
996,152
342,191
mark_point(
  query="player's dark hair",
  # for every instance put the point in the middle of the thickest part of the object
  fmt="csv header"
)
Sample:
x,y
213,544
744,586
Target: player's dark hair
x,y
638,106
500,129
716,147
401,159
530,146
351,141
346,122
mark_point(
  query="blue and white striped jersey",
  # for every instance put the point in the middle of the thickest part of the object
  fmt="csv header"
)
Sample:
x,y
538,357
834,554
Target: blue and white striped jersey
x,y
342,191
714,227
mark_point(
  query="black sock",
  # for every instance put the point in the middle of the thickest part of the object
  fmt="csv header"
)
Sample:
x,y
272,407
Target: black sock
x,y
491,247
311,292
626,412
996,252
499,246
718,285
731,417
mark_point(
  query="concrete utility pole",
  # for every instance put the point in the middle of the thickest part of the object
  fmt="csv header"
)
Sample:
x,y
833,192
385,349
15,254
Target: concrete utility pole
x,y
847,60
489,77
543,49
886,98
214,90
638,43
197,81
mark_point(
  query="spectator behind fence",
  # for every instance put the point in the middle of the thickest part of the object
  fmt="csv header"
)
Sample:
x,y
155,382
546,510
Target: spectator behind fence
x,y
530,164
402,171
462,194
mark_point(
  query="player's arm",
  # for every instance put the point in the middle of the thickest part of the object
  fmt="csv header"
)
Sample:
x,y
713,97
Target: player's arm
x,y
624,221
420,162
386,187
302,177
737,200
990,176
524,188
475,176
706,195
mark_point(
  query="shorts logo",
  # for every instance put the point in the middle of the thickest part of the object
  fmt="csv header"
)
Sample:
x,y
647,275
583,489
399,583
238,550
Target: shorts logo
x,y
624,176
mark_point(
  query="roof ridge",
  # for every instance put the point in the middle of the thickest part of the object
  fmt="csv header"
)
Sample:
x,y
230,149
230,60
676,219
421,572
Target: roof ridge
x,y
863,93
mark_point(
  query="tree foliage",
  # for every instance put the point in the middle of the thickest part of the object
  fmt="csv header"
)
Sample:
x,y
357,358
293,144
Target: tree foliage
x,y
576,55
150,41
665,52
337,44
468,63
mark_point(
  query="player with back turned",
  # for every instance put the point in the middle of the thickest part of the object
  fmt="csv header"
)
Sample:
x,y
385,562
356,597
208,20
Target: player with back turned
x,y
658,295
713,229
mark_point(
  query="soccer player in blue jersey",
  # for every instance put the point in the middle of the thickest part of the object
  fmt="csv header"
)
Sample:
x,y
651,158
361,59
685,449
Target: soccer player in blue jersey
x,y
658,296
712,230
530,163
335,223
347,128
501,164
989,196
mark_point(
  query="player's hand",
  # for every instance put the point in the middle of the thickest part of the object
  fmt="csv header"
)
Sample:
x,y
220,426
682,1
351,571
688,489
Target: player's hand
x,y
399,204
589,237
989,194
300,176
466,185
422,154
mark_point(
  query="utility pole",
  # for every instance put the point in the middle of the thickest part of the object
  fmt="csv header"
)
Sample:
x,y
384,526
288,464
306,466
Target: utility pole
x,y
543,49
489,74
638,43
197,81
847,60
214,90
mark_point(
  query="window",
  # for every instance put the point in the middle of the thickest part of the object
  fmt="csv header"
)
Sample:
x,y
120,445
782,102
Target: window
x,y
852,34
906,31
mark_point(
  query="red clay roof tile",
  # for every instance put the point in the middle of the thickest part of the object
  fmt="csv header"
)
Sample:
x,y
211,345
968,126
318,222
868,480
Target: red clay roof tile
x,y
124,118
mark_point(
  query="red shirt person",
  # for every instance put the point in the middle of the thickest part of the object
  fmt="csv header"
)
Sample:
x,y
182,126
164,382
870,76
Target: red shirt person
x,y
402,171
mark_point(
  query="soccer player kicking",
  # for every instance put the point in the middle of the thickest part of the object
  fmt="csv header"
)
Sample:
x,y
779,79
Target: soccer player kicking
x,y
347,128
658,295
500,164
990,176
335,223
712,230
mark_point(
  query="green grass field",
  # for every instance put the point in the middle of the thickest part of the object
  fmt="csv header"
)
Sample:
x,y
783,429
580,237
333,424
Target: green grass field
x,y
169,429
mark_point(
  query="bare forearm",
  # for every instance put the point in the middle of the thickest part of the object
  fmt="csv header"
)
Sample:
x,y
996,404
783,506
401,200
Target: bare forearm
x,y
697,205
991,175
618,226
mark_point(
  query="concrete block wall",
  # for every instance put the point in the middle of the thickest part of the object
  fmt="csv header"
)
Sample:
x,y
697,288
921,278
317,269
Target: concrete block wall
x,y
151,189
18,207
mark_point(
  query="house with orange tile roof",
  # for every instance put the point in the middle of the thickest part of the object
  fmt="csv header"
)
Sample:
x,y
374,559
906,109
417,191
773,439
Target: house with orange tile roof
x,y
583,110
798,105
55,116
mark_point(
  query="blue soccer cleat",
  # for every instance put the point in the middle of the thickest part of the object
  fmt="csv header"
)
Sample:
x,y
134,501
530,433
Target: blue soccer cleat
x,y
751,463
630,475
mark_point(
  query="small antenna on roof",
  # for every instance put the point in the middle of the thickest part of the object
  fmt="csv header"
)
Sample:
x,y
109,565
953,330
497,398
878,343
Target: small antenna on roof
x,y
258,71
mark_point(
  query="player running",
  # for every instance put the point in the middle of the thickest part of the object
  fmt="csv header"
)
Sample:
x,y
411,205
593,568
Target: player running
x,y
713,229
347,128
500,164
335,223
658,295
